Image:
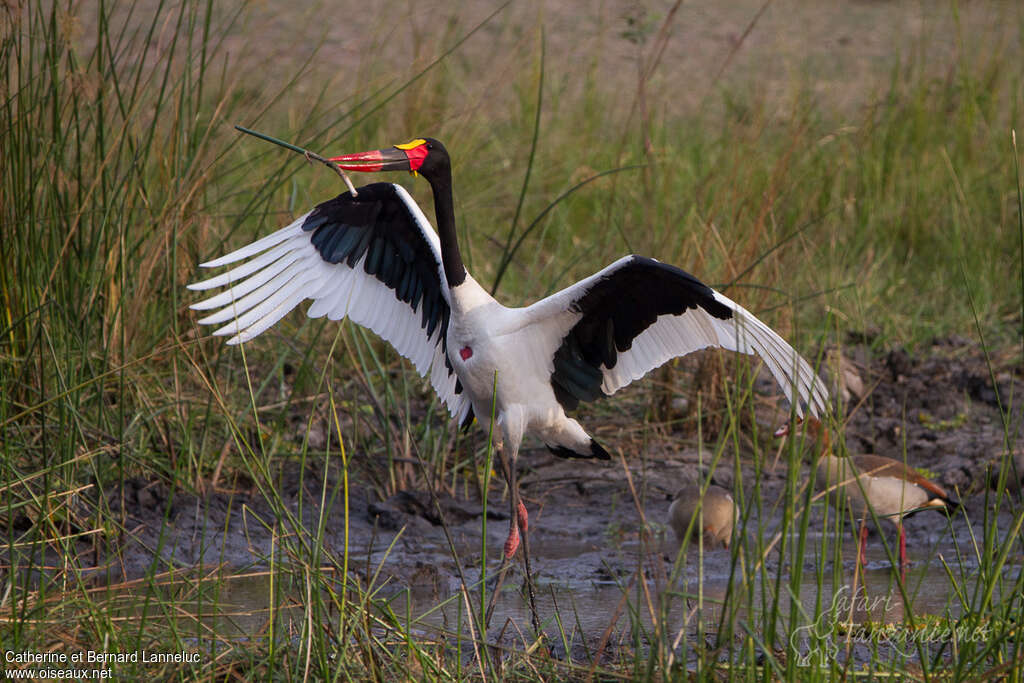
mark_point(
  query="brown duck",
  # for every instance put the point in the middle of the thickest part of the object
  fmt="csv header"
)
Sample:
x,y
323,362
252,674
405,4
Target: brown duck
x,y
719,514
887,486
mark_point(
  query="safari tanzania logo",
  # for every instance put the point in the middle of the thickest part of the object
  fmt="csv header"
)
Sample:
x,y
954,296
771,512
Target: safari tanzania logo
x,y
855,617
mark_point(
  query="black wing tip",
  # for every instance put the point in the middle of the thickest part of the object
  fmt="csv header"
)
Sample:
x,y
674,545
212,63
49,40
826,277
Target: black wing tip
x,y
595,452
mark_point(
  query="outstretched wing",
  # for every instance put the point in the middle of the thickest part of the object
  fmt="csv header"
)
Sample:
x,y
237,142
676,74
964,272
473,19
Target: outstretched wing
x,y
638,313
373,258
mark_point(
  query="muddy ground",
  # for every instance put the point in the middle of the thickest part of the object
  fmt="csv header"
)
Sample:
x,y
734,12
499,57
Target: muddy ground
x,y
940,407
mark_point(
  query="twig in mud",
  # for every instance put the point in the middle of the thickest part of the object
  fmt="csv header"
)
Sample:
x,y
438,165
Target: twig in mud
x,y
310,156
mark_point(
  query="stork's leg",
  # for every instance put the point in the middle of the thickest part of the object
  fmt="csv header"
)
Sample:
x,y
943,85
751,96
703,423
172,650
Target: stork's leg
x,y
517,536
520,521
506,562
511,543
509,549
529,573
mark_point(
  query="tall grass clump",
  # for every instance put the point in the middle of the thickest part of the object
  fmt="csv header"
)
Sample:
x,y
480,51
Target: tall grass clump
x,y
120,172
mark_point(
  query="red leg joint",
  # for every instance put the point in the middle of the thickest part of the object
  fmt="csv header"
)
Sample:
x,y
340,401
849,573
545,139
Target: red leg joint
x,y
512,544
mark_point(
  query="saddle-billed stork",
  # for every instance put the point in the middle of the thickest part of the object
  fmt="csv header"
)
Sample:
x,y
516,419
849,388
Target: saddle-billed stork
x,y
873,482
375,259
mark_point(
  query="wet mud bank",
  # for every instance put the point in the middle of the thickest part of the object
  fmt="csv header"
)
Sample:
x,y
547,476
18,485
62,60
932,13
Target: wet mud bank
x,y
593,523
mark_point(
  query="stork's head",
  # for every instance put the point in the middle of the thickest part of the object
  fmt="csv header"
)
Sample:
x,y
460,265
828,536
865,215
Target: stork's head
x,y
425,156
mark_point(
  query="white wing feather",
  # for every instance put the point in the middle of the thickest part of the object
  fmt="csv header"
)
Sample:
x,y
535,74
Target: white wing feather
x,y
287,269
671,336
677,335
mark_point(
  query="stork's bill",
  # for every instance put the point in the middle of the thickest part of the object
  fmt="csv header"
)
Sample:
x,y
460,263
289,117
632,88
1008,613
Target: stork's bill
x,y
408,156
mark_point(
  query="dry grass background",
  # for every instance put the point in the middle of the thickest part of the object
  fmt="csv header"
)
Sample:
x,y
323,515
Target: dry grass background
x,y
846,166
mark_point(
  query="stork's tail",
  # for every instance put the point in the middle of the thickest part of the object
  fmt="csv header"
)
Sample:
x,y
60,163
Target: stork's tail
x,y
595,450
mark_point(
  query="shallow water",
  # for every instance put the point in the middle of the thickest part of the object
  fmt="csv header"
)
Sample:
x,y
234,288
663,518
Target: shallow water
x,y
576,611
592,608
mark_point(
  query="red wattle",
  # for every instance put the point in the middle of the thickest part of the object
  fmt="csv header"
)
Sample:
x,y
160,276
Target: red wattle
x,y
416,156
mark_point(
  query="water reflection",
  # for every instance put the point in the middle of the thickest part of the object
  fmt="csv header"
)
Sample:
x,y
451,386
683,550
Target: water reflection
x,y
851,613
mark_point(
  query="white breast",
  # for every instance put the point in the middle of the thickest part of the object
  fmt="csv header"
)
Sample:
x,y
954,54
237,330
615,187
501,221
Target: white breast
x,y
507,343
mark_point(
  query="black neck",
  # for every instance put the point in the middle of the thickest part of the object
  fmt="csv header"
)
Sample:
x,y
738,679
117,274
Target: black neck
x,y
444,209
